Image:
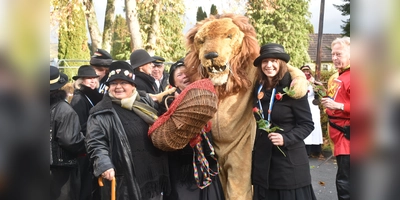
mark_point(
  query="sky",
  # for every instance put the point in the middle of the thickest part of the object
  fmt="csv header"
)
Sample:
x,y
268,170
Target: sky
x,y
332,16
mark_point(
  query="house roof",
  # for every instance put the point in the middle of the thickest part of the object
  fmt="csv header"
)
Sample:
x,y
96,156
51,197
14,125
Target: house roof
x,y
325,47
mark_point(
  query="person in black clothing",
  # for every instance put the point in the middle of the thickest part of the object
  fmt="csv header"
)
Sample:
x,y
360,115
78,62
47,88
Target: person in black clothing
x,y
159,74
280,169
142,65
183,183
118,144
66,141
85,97
101,61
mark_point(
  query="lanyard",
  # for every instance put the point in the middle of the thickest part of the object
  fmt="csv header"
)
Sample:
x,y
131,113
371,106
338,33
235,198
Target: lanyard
x,y
271,103
89,101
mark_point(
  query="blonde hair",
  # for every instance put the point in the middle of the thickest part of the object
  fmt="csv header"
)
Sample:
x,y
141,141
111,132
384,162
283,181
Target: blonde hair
x,y
78,82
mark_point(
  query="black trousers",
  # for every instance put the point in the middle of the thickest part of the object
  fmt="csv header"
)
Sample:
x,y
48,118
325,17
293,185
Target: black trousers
x,y
343,177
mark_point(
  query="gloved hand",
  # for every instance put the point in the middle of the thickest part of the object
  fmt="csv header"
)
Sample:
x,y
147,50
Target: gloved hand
x,y
158,97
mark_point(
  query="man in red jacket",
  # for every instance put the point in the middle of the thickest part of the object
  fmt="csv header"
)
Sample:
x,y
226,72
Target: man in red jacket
x,y
338,110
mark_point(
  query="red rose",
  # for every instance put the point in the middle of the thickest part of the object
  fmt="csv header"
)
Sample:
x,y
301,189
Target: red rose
x,y
278,96
255,109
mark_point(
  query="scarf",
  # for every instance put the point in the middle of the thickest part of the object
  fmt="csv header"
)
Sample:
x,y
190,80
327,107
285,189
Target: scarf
x,y
146,112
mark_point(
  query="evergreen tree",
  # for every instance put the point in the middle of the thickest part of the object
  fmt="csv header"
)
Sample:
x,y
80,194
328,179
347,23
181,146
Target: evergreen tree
x,y
345,9
72,39
284,22
170,39
213,10
121,40
200,14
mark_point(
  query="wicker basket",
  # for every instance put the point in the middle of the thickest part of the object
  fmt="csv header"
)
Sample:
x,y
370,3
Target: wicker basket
x,y
185,118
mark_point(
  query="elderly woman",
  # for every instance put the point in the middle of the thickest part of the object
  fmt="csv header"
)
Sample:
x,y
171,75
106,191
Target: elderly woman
x,y
184,185
281,168
118,144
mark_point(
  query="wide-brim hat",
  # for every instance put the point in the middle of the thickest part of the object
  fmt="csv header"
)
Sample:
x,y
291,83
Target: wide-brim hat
x,y
186,117
121,70
158,60
271,50
85,71
57,78
140,57
101,58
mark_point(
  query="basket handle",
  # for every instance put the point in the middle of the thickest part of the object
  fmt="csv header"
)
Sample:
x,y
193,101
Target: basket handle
x,y
165,101
113,186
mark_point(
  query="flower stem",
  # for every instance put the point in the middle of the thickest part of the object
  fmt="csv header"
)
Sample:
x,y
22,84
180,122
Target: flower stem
x,y
281,151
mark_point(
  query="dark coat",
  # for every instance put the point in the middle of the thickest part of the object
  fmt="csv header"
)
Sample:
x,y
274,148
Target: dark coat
x,y
164,82
108,147
64,180
84,99
271,169
145,82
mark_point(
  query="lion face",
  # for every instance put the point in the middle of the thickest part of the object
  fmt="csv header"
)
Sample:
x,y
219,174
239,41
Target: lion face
x,y
217,42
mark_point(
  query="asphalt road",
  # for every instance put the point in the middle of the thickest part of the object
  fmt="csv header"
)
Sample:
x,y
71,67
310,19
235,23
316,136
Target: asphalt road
x,y
323,175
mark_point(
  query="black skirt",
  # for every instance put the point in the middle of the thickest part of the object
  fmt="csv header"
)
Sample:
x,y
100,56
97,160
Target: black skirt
x,y
303,193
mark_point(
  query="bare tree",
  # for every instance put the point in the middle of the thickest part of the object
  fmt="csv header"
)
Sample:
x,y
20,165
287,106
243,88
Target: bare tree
x,y
93,26
155,24
108,25
133,24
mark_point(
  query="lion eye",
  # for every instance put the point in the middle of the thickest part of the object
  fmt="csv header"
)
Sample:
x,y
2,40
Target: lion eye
x,y
229,36
200,41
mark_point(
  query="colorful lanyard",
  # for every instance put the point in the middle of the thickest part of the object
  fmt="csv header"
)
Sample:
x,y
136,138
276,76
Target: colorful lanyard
x,y
271,103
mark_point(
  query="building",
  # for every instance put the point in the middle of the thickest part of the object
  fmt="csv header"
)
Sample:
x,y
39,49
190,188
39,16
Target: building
x,y
326,58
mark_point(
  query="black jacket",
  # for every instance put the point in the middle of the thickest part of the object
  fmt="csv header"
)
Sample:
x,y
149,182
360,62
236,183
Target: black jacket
x,y
84,99
108,147
65,129
164,82
145,82
271,169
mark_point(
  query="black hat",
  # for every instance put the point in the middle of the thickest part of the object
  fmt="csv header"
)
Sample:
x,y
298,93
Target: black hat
x,y
85,71
158,60
140,57
305,67
101,58
271,50
174,66
57,78
121,70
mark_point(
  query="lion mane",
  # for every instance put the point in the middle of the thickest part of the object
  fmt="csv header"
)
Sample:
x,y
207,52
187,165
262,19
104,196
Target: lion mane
x,y
232,40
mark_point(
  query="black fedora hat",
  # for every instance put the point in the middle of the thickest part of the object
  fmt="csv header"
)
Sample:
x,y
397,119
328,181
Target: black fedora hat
x,y
140,57
121,70
57,78
101,58
158,60
85,71
271,50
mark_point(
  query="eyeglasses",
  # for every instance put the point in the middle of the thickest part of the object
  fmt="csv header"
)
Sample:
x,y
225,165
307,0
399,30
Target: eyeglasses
x,y
122,83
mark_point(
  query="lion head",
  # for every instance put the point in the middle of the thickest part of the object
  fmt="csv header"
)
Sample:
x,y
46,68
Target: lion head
x,y
222,48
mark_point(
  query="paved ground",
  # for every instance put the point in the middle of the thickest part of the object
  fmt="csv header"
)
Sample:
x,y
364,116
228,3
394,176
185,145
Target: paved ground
x,y
323,175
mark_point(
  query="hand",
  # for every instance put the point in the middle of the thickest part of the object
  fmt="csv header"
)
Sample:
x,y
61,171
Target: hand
x,y
158,97
317,83
331,104
108,174
276,139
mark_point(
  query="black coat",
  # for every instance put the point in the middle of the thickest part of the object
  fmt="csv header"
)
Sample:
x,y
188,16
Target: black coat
x,y
145,82
64,180
108,147
270,168
84,99
164,82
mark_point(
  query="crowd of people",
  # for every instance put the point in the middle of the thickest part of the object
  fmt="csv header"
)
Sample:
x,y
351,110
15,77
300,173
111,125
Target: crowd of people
x,y
100,133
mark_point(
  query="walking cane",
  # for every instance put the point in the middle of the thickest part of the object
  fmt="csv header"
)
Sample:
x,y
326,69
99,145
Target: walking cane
x,y
113,186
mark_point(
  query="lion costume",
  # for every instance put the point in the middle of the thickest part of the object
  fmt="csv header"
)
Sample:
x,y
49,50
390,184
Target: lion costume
x,y
223,48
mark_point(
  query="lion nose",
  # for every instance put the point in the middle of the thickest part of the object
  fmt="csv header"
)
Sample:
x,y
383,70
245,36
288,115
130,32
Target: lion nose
x,y
211,55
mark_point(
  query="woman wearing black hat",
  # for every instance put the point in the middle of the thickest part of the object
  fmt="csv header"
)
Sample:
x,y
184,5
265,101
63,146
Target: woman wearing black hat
x,y
184,185
85,97
281,168
66,141
118,144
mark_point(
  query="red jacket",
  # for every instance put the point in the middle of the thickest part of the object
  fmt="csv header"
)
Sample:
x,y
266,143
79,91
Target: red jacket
x,y
341,88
